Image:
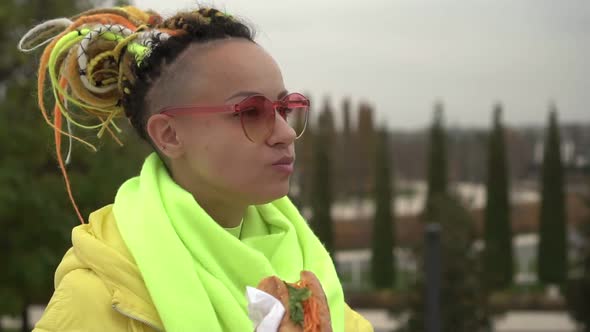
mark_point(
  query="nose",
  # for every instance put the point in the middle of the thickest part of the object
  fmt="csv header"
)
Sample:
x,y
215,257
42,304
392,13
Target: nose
x,y
282,132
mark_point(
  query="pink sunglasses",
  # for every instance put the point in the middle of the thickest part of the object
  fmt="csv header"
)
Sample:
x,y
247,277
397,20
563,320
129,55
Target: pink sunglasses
x,y
257,113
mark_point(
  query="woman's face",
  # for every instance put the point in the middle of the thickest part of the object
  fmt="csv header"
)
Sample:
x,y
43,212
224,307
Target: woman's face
x,y
209,151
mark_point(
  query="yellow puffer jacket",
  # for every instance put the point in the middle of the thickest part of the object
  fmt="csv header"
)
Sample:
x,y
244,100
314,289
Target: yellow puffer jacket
x,y
98,287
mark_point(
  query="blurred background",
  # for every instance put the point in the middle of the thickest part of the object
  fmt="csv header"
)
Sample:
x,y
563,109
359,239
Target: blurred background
x,y
446,165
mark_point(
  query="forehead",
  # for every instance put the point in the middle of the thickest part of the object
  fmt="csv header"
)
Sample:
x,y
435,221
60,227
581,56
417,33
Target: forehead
x,y
221,68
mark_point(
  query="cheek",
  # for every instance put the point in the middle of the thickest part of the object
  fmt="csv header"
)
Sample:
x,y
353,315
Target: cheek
x,y
234,169
224,156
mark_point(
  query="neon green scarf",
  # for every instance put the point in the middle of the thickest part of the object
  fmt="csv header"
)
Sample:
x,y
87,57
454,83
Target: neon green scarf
x,y
195,271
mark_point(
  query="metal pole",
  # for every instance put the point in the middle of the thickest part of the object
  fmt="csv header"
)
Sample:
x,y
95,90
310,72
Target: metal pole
x,y
432,267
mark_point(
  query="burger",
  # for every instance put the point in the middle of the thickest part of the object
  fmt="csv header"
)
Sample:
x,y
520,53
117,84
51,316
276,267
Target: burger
x,y
306,306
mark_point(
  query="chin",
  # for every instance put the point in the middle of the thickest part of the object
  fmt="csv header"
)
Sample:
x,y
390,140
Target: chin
x,y
270,194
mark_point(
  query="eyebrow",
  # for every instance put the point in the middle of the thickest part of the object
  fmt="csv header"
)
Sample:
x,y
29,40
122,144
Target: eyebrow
x,y
250,93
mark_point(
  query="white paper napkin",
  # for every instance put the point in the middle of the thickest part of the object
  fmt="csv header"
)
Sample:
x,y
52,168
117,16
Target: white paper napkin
x,y
265,311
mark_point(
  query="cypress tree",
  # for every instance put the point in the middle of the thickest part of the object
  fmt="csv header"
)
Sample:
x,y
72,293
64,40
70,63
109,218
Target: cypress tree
x,y
321,201
437,161
346,125
463,299
498,263
326,123
303,176
382,258
365,150
552,254
578,286
345,157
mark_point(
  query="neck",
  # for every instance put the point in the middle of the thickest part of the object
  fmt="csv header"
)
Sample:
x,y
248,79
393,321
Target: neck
x,y
227,212
226,215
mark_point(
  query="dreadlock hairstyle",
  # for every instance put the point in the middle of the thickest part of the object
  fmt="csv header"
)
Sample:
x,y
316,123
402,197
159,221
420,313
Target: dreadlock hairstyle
x,y
101,64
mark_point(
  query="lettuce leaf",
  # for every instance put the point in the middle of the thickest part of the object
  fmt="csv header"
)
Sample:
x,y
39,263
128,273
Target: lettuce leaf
x,y
296,297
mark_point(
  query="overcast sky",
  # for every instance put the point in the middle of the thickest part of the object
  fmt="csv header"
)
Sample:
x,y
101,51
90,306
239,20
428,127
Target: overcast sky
x,y
403,55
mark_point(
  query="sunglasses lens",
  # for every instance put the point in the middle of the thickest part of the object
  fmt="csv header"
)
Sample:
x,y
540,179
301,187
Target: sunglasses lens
x,y
295,110
258,117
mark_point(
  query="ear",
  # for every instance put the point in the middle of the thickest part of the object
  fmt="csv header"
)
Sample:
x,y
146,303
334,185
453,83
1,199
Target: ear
x,y
163,134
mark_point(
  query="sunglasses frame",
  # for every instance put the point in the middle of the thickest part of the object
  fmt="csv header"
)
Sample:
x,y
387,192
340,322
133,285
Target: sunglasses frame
x,y
171,111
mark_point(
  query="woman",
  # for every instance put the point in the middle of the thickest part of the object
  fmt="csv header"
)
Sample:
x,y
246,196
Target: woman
x,y
208,215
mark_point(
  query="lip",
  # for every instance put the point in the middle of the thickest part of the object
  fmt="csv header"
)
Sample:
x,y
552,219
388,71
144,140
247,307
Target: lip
x,y
284,165
285,161
286,168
